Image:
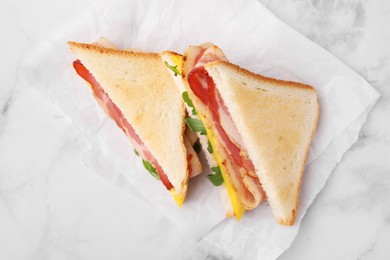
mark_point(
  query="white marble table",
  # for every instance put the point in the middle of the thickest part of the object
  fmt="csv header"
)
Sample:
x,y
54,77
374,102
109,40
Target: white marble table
x,y
53,207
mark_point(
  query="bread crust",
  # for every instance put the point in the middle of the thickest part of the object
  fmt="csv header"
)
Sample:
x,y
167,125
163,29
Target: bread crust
x,y
290,222
282,83
104,50
171,53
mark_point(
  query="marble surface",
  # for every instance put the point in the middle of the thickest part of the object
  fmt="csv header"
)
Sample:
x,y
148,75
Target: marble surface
x,y
53,207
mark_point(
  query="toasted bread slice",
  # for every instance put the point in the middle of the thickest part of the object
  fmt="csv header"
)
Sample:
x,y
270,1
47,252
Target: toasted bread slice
x,y
276,120
139,84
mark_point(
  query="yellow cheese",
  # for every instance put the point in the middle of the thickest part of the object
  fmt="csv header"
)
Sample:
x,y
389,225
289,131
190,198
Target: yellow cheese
x,y
179,198
173,59
177,60
237,207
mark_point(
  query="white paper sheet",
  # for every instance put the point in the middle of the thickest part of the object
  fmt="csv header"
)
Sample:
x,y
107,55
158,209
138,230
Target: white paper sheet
x,y
251,37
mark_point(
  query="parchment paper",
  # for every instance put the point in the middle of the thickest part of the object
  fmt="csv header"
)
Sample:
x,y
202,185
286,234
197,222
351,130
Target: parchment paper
x,y
252,37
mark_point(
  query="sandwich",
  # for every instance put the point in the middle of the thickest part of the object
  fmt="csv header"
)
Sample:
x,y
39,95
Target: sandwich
x,y
255,131
260,129
137,92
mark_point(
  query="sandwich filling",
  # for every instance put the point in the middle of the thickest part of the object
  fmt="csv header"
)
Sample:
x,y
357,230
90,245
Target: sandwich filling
x,y
115,113
239,168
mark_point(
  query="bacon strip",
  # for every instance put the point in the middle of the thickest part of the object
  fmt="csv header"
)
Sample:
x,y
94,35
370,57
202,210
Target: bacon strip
x,y
240,168
115,113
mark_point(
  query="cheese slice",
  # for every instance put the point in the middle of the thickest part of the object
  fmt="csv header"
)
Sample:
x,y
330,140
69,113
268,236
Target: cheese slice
x,y
237,207
179,198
